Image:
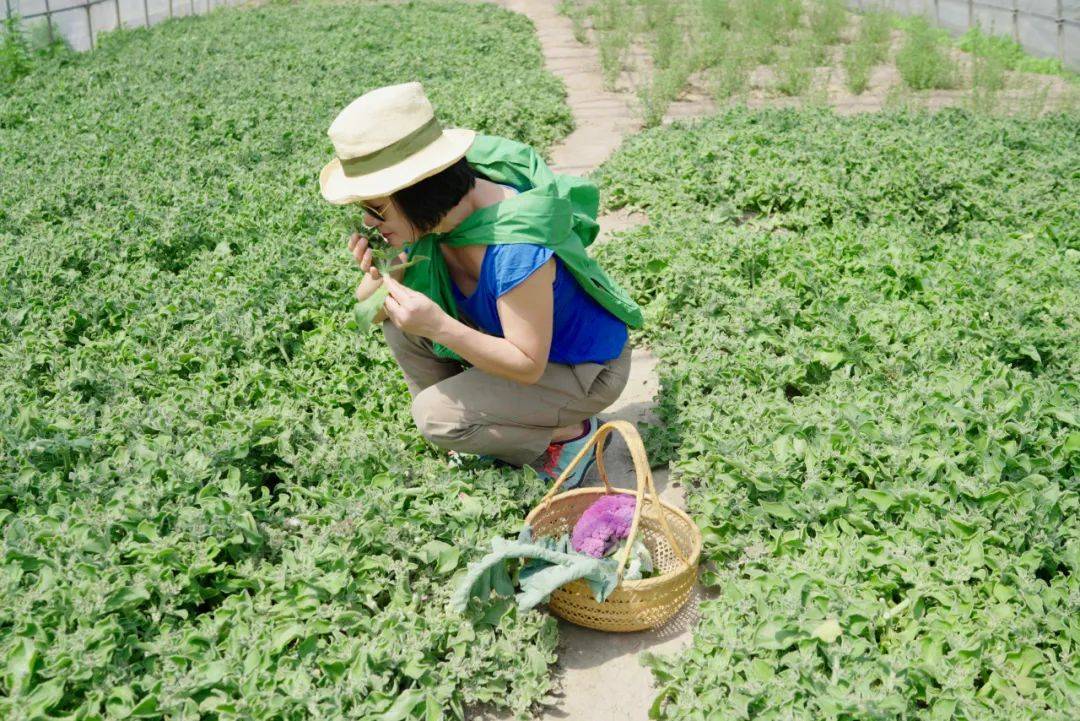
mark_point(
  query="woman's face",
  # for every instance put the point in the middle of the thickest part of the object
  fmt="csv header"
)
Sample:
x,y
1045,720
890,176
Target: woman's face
x,y
393,225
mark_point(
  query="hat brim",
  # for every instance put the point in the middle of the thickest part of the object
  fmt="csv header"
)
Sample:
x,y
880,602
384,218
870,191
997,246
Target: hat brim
x,y
340,189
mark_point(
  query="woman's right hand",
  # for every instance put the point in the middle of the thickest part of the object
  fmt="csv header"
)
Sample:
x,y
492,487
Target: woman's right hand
x,y
361,250
358,246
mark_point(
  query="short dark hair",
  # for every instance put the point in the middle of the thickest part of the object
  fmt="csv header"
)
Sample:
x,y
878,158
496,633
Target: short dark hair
x,y
425,203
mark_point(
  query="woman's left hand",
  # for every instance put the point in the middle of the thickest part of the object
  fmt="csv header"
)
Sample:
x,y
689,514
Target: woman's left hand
x,y
413,312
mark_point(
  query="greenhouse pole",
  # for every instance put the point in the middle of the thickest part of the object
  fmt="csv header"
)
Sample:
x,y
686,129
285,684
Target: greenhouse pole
x,y
89,25
49,22
1016,21
1060,31
146,13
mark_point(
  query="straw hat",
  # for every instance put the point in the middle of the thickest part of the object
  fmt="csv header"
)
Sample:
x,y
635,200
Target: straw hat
x,y
386,140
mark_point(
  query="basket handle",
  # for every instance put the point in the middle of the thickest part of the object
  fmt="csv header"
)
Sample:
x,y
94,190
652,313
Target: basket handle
x,y
644,484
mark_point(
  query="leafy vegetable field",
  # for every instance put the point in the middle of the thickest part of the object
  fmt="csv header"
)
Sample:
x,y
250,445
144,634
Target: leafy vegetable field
x,y
870,351
213,502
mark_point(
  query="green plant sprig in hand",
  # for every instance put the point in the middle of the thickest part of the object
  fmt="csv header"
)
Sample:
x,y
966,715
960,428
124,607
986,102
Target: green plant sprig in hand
x,y
383,257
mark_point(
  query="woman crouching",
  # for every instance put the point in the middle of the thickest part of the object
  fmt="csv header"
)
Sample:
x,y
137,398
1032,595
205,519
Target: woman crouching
x,y
511,339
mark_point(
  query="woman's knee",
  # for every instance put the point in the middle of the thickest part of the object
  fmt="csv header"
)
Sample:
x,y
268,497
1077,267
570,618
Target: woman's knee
x,y
439,419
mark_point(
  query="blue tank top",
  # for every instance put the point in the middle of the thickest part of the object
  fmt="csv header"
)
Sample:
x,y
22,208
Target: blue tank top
x,y
583,331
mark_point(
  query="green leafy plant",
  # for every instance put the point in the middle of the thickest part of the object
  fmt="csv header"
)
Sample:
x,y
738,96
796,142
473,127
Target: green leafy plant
x,y
731,71
869,395
987,63
15,54
23,48
213,500
795,71
870,48
657,93
827,18
923,60
875,27
728,39
573,10
772,19
857,66
663,24
613,45
1007,53
606,14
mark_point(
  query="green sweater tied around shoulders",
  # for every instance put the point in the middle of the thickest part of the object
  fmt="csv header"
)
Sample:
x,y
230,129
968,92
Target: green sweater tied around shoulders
x,y
555,211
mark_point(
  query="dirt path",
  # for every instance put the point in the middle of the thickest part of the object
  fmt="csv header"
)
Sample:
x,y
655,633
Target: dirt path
x,y
600,674
601,117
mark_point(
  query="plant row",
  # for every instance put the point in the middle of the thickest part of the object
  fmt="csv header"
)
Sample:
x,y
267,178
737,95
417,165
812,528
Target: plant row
x,y
869,352
213,501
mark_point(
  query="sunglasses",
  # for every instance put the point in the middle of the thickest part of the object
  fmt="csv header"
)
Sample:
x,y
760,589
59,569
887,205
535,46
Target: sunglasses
x,y
370,210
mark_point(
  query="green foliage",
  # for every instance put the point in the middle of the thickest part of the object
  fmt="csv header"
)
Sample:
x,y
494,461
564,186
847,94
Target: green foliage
x,y
827,18
715,31
728,38
607,15
1045,66
857,62
875,27
383,258
869,49
22,50
573,10
773,19
660,90
988,65
1005,52
795,71
870,394
923,60
15,55
613,45
731,71
910,22
213,500
667,33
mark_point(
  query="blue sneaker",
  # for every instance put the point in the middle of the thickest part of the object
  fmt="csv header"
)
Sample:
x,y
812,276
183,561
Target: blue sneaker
x,y
559,456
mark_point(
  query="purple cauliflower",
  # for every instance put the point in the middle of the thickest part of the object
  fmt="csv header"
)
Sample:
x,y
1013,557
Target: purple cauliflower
x,y
603,523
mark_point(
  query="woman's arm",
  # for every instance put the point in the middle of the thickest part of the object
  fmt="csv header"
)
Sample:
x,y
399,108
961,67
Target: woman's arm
x,y
526,313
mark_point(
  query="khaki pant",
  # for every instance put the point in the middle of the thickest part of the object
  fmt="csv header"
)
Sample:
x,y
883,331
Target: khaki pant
x,y
471,411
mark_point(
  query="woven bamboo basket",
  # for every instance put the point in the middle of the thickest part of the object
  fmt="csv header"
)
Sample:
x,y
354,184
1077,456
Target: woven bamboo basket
x,y
671,537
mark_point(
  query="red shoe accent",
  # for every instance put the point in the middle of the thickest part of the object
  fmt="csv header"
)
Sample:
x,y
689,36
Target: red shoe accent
x,y
554,451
